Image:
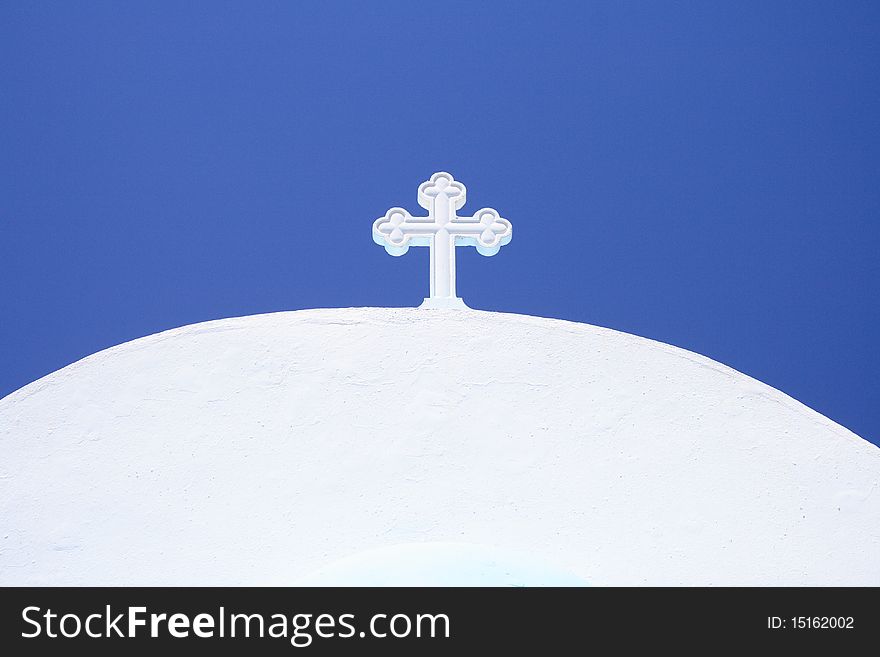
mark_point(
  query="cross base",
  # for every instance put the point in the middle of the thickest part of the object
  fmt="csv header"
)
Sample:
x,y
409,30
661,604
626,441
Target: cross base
x,y
444,303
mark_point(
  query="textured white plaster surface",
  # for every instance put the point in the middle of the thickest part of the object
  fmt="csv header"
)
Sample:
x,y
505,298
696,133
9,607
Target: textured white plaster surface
x,y
257,450
438,564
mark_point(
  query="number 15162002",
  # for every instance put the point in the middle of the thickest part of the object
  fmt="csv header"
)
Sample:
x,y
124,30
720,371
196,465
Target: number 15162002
x,y
810,623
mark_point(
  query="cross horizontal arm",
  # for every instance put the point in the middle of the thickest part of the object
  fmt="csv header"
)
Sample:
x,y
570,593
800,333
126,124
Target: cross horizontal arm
x,y
486,231
419,227
468,227
398,230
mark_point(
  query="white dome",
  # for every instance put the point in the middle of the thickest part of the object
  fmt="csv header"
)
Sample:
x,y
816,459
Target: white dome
x,y
438,564
257,450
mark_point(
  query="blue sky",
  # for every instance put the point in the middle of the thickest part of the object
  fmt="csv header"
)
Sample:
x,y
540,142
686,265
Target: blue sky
x,y
703,174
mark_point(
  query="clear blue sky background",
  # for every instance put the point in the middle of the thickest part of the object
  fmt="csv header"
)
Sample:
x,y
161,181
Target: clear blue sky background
x,y
704,174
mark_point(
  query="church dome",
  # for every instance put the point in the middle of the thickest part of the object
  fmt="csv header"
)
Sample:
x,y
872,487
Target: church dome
x,y
261,450
438,564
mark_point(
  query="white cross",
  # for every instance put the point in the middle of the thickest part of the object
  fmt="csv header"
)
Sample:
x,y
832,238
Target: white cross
x,y
442,230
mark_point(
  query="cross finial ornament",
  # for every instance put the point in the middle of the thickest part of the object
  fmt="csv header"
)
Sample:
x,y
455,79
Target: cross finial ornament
x,y
441,231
